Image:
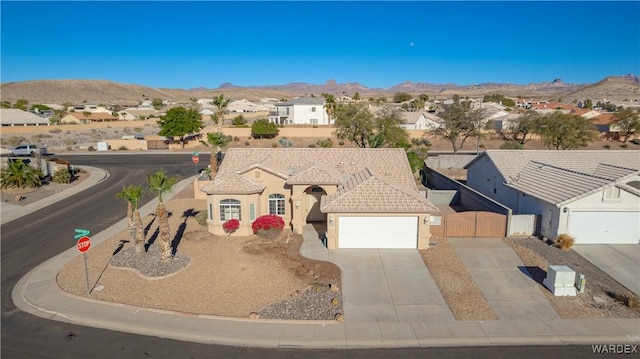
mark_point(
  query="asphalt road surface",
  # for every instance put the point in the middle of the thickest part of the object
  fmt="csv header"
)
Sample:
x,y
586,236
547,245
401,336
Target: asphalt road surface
x,y
28,241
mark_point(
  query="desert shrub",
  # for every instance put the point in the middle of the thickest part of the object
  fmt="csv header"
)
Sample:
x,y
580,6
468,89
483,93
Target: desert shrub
x,y
421,142
341,143
239,121
632,301
127,130
564,242
268,226
137,129
231,226
13,141
55,130
236,138
201,218
59,161
274,145
312,145
607,146
247,143
325,143
61,176
123,148
262,128
68,142
636,141
624,145
285,142
91,149
511,145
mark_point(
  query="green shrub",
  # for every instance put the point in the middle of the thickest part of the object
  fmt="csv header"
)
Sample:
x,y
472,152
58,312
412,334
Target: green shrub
x,y
61,176
239,121
511,145
636,141
341,143
247,143
624,145
274,145
236,138
262,128
325,143
312,145
285,142
564,242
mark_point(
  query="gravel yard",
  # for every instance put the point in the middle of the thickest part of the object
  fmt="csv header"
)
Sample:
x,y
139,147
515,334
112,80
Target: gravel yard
x,y
234,277
603,295
464,298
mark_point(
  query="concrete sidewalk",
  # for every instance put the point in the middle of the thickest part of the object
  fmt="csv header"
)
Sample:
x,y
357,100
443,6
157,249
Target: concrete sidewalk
x,y
38,293
503,279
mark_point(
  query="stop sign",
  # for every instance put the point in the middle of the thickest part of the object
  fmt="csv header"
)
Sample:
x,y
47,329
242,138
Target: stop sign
x,y
195,159
83,244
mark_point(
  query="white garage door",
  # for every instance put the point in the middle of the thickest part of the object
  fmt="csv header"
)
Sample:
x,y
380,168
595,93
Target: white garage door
x,y
605,227
378,232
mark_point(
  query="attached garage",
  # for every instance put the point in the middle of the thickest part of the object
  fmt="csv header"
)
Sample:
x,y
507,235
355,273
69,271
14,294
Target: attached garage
x,y
605,227
378,232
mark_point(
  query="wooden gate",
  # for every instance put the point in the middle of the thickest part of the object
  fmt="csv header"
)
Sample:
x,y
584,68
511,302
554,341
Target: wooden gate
x,y
471,224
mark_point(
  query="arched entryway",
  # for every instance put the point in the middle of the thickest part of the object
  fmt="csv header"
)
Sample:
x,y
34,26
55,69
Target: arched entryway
x,y
312,199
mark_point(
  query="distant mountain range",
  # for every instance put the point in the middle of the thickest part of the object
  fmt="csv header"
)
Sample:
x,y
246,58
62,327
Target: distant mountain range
x,y
615,88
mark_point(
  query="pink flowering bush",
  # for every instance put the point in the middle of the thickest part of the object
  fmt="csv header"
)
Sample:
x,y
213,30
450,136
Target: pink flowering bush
x,y
231,226
269,226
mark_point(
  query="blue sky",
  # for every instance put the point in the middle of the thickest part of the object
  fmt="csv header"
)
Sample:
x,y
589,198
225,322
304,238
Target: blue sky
x,y
378,44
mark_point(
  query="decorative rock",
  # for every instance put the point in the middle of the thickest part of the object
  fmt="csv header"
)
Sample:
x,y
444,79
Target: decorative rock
x,y
19,198
339,318
334,301
334,288
254,315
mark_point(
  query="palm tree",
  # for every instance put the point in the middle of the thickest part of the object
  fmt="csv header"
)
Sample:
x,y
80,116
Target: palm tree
x,y
18,174
221,104
160,184
216,141
330,105
132,194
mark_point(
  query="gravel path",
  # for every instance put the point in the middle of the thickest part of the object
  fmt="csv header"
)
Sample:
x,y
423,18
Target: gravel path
x,y
603,296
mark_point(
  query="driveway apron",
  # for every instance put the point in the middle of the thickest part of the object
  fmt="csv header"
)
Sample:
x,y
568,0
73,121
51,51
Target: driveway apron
x,y
620,261
503,279
388,285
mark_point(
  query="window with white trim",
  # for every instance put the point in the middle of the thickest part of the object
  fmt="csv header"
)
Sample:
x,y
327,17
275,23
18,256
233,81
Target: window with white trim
x,y
276,204
252,211
210,212
230,209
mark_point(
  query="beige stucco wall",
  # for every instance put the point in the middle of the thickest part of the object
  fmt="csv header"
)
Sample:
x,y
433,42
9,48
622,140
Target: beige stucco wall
x,y
333,226
140,145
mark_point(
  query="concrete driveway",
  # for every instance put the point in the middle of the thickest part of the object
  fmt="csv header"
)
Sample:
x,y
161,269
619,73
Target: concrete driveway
x,y
620,261
388,285
503,279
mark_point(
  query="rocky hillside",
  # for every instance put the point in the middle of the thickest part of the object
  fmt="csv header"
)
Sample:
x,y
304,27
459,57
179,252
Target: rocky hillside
x,y
614,89
102,91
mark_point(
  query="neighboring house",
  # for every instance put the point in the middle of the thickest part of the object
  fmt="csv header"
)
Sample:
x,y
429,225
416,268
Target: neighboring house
x,y
367,198
300,111
413,120
207,112
503,123
206,103
242,106
17,117
593,196
136,113
432,121
79,117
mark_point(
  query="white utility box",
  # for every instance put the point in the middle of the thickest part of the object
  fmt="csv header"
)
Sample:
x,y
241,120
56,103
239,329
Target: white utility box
x,y
560,280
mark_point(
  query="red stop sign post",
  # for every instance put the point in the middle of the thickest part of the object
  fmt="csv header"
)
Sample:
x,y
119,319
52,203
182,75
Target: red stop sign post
x,y
83,246
195,159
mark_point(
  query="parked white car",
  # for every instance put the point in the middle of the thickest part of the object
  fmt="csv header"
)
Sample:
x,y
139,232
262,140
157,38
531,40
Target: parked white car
x,y
28,150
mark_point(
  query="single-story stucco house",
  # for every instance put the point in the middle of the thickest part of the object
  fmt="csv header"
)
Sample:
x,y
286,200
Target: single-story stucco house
x,y
594,196
366,197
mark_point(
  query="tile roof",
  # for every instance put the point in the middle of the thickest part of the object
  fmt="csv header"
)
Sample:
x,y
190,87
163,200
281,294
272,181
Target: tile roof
x,y
560,177
302,101
316,174
410,117
267,164
18,117
366,192
509,162
390,162
233,184
94,116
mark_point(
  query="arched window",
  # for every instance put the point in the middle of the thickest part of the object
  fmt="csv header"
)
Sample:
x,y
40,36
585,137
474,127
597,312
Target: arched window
x,y
276,204
230,209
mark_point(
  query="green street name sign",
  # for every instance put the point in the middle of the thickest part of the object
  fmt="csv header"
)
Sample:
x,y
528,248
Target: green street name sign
x,y
81,233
